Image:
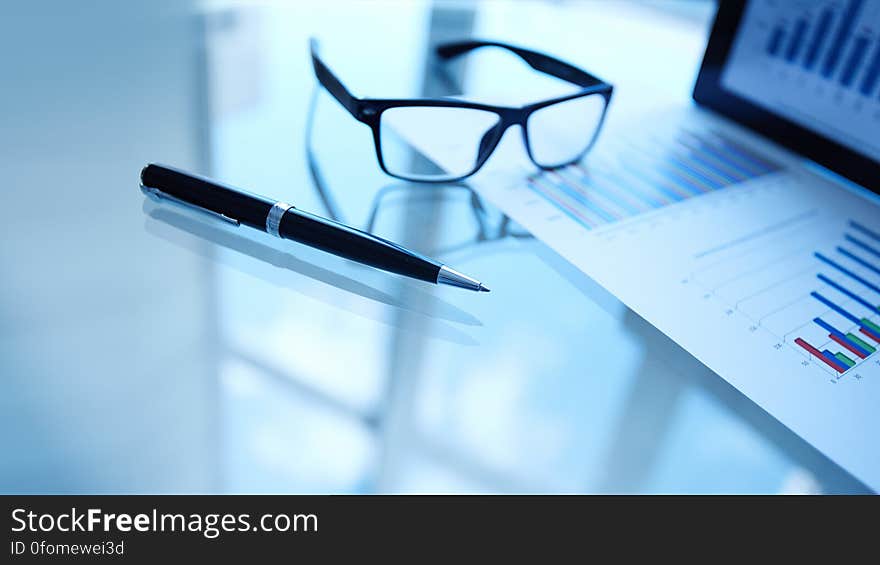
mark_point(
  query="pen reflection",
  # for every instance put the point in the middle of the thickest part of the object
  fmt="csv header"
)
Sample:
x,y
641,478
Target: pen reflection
x,y
161,217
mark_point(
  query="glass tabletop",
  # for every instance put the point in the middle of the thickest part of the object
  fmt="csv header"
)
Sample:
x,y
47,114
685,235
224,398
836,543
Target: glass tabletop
x,y
145,348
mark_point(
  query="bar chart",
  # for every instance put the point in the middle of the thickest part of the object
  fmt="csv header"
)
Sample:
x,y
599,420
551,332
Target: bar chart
x,y
814,63
820,298
648,174
838,41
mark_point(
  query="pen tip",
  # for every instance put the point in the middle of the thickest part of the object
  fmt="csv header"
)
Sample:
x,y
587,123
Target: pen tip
x,y
484,289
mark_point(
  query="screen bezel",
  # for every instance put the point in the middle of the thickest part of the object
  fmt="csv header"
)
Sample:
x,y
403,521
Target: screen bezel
x,y
709,92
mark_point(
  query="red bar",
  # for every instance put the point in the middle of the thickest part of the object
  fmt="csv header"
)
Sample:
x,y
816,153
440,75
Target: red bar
x,y
870,334
818,355
848,345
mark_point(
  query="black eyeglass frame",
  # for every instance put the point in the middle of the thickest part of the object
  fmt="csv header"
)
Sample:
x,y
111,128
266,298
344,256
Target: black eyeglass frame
x,y
369,110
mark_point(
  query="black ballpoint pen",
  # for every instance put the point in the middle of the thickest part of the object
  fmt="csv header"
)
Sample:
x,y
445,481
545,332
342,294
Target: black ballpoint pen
x,y
282,220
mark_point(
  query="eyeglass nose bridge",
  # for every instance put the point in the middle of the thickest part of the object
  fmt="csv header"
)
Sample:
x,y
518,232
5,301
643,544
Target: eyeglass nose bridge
x,y
514,116
509,117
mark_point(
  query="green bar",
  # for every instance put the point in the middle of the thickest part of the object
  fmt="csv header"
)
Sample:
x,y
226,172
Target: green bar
x,y
863,344
845,360
871,325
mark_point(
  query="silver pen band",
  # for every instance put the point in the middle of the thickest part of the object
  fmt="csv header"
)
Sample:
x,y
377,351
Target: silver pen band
x,y
273,219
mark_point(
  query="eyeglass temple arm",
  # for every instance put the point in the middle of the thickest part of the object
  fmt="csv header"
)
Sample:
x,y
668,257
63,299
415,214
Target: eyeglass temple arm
x,y
333,85
538,61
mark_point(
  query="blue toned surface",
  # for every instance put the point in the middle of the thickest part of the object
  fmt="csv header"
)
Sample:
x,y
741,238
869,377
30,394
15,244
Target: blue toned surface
x,y
145,349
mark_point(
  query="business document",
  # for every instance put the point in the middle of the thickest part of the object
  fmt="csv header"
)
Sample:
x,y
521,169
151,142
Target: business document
x,y
767,275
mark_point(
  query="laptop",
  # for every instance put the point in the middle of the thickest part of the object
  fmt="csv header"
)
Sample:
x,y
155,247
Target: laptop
x,y
746,226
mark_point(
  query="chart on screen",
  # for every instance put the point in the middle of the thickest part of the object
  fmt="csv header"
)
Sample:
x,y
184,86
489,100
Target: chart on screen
x,y
813,59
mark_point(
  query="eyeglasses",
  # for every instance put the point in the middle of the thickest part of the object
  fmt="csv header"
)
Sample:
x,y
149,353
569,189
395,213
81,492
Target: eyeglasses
x,y
445,139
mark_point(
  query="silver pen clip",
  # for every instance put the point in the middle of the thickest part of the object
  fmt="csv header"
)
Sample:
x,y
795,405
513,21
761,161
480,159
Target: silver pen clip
x,y
158,195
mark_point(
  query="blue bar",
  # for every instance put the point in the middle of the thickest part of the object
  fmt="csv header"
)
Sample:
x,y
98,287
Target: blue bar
x,y
872,234
872,75
844,30
669,193
797,39
818,38
688,168
765,165
836,308
775,42
856,54
665,166
615,199
580,198
864,246
632,185
682,181
729,177
699,161
540,189
635,189
837,363
738,165
847,272
717,166
832,330
847,292
858,260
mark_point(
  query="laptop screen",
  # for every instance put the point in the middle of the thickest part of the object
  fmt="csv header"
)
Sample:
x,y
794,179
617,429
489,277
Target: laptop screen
x,y
806,74
815,64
